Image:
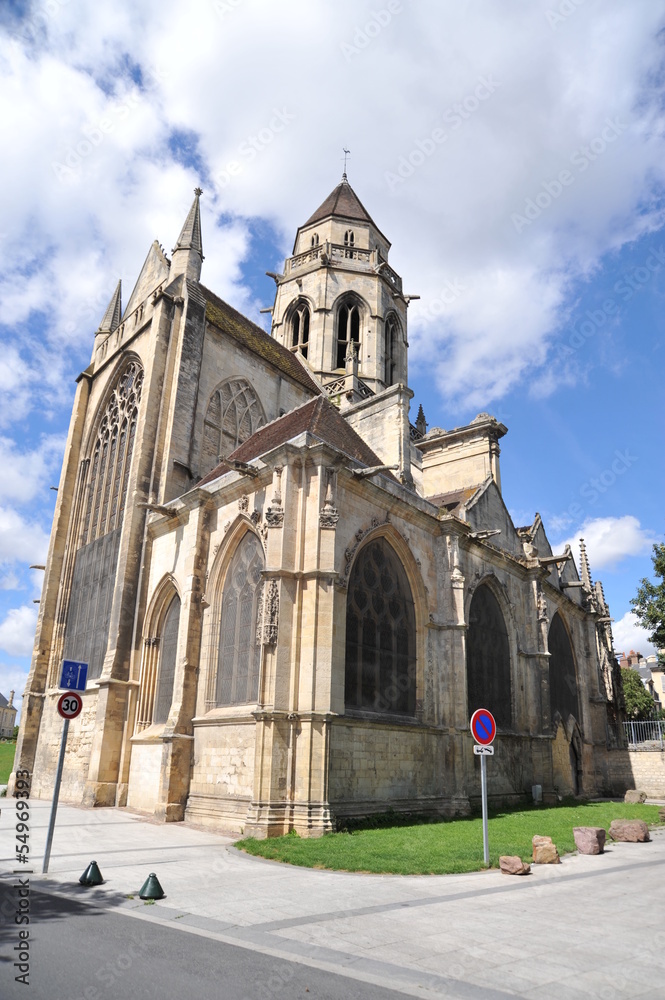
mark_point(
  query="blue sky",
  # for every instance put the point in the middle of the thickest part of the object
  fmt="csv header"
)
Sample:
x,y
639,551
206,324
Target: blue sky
x,y
513,154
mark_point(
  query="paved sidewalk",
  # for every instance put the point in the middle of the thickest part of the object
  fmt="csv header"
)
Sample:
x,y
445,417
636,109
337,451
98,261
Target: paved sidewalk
x,y
592,927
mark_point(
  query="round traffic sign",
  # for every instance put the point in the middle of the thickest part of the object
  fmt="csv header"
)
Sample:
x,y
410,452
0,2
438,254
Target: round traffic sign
x,y
483,727
70,704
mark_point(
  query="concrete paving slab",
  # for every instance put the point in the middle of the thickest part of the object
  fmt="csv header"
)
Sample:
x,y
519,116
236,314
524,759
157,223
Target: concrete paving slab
x,y
567,932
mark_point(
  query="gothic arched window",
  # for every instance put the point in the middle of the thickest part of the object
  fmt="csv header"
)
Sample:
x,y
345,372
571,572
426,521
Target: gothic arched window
x,y
348,330
167,644
300,328
234,413
562,673
315,239
380,674
488,658
112,456
104,498
239,655
391,341
349,238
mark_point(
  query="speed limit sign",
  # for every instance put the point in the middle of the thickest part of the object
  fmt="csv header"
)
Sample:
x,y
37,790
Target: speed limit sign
x,y
70,704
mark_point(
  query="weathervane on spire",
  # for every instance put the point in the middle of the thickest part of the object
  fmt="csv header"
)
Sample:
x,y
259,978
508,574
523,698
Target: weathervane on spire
x,y
347,152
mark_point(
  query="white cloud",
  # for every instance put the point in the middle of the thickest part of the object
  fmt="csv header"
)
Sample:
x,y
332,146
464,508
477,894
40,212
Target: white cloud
x,y
25,473
21,540
609,540
629,634
17,631
13,678
551,93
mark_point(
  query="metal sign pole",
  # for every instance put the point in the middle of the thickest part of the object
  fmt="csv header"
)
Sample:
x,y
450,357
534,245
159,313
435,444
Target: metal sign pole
x,y
56,793
483,790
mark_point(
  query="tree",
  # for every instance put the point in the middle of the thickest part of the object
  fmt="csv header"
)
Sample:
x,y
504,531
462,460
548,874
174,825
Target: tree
x,y
649,604
639,703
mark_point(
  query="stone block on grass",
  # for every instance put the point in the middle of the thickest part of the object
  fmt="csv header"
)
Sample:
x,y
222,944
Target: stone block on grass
x,y
512,865
634,796
631,831
589,839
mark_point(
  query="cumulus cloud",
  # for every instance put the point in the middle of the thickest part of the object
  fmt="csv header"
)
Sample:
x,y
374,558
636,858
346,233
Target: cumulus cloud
x,y
609,540
25,472
21,540
120,115
629,634
17,630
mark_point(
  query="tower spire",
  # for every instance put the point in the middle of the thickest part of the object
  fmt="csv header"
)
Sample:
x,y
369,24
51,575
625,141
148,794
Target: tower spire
x,y
347,153
111,319
188,251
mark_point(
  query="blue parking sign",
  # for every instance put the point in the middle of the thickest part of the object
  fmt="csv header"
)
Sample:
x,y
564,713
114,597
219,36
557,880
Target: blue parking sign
x,y
73,675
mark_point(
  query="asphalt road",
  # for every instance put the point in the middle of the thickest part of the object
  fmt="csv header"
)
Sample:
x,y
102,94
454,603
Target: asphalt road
x,y
83,952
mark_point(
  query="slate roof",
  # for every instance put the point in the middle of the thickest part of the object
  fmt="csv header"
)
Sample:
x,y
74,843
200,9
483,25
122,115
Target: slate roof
x,y
344,203
3,702
320,418
455,499
251,336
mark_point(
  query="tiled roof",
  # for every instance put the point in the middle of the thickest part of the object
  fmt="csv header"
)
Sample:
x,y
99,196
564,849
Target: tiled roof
x,y
343,202
455,499
320,418
251,336
218,471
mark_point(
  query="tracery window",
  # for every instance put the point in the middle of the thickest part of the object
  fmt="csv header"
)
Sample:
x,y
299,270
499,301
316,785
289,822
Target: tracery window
x,y
380,674
348,330
112,456
488,658
349,238
239,655
234,413
562,673
300,328
391,341
104,501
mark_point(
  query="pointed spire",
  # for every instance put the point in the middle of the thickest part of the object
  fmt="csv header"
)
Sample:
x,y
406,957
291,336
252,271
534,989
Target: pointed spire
x,y
188,251
421,423
111,318
584,566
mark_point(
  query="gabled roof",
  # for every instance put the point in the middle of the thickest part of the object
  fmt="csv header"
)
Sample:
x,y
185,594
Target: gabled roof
x,y
320,418
155,270
3,701
251,336
455,499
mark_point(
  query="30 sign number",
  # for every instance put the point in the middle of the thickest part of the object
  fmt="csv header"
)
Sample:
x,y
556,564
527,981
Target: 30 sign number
x,y
70,705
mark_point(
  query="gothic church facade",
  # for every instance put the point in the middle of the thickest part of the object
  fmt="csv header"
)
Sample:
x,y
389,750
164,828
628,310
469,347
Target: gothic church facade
x,y
291,597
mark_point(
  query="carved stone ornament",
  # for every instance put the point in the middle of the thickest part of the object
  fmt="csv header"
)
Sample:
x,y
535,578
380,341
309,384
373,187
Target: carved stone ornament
x,y
329,515
256,516
243,504
267,619
351,551
275,517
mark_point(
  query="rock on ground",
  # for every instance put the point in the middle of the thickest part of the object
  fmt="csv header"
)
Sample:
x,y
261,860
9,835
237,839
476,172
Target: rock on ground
x,y
544,851
633,795
512,865
632,831
589,839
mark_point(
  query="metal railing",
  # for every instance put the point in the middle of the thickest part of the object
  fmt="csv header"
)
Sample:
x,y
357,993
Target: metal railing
x,y
646,735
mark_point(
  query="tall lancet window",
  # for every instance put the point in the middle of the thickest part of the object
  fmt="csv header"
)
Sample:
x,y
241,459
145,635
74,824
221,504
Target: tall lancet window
x,y
239,656
488,658
168,644
300,329
348,330
102,510
391,348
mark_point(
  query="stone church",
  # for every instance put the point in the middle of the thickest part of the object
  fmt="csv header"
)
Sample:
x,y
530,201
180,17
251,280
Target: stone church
x,y
291,595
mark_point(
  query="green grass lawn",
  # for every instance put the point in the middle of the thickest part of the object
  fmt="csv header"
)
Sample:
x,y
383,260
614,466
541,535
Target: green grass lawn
x,y
7,751
444,846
